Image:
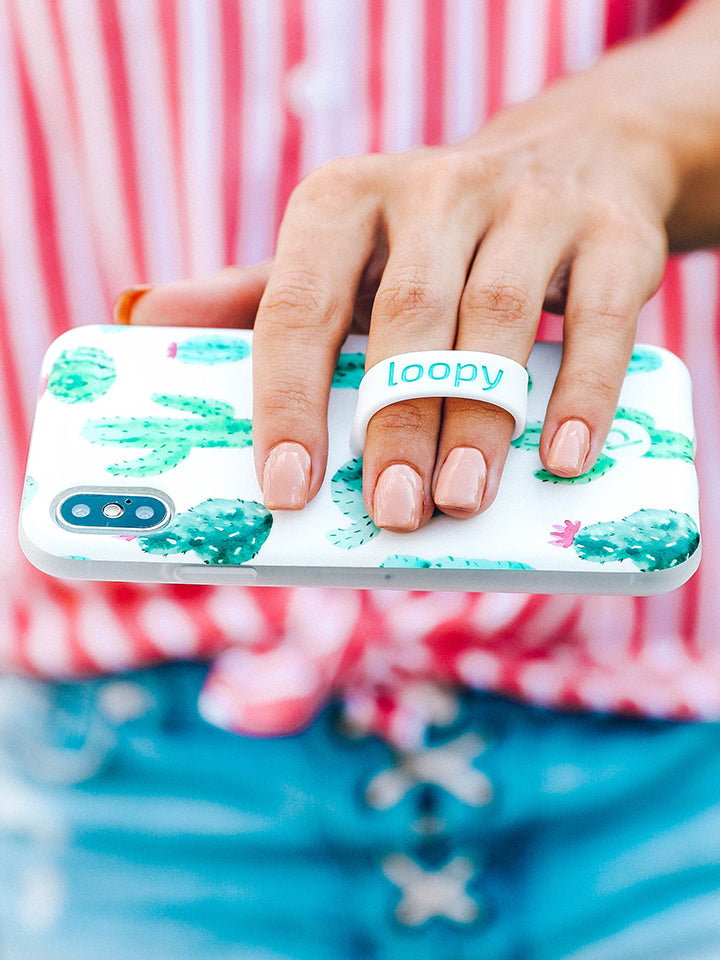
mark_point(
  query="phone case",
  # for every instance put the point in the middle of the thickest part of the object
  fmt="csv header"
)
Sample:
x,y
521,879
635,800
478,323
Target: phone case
x,y
164,413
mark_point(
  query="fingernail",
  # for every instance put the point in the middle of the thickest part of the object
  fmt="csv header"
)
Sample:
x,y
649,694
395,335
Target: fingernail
x,y
286,477
569,448
398,499
461,481
125,303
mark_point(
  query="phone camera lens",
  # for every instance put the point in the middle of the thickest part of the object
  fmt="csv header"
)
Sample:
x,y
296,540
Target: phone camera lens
x,y
112,511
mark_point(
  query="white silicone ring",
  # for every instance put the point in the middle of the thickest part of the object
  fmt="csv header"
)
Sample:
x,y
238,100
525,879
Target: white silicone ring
x,y
470,374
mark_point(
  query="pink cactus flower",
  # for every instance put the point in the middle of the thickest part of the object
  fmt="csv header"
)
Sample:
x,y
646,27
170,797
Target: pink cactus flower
x,y
563,535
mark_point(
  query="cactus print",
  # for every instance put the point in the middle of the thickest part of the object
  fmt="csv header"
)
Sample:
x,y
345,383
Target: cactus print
x,y
167,441
223,532
651,539
346,491
645,360
349,371
452,563
81,375
210,349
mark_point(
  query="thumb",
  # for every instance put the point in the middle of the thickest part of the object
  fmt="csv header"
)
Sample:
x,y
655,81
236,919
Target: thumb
x,y
228,298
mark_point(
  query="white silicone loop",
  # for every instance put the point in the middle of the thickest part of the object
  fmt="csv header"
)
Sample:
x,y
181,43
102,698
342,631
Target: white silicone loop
x,y
470,374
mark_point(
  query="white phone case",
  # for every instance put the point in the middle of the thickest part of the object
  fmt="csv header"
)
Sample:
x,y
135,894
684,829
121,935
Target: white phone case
x,y
164,413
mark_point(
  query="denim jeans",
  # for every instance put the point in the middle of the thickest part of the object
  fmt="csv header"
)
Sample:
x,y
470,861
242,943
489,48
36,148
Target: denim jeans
x,y
130,829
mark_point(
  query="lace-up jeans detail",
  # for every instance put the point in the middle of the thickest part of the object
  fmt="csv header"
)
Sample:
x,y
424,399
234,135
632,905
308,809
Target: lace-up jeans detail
x,y
512,833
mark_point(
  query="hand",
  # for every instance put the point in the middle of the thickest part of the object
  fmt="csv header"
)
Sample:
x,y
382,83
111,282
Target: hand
x,y
563,201
553,203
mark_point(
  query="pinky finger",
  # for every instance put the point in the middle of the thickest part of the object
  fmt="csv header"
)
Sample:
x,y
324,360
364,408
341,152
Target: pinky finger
x,y
609,285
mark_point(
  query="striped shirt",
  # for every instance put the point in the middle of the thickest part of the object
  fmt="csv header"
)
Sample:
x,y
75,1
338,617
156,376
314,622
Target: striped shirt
x,y
146,140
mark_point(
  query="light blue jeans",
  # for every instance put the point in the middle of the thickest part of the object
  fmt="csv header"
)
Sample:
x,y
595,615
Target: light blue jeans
x,y
132,830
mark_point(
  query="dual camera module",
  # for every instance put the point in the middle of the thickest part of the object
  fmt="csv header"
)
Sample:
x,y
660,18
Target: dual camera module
x,y
106,510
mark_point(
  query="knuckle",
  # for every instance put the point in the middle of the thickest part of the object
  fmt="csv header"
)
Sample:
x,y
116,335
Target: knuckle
x,y
475,417
300,296
596,382
409,418
648,234
502,301
296,401
449,181
337,178
652,242
602,214
449,174
409,293
533,199
632,250
628,227
606,309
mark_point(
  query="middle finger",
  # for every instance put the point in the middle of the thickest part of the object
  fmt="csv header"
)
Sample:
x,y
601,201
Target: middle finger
x,y
415,308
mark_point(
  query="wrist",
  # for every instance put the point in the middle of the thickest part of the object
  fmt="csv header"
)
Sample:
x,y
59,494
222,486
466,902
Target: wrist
x,y
664,93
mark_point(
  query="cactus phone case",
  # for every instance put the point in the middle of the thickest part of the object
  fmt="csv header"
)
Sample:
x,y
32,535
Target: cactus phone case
x,y
141,468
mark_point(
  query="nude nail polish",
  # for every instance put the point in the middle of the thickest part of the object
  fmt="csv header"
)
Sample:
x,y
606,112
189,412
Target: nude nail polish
x,y
461,481
569,448
286,477
125,302
398,499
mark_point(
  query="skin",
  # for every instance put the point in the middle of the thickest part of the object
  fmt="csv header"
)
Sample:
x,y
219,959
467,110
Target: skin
x,y
569,201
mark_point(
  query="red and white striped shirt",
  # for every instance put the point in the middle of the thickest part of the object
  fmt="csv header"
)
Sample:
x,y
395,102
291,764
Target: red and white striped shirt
x,y
145,140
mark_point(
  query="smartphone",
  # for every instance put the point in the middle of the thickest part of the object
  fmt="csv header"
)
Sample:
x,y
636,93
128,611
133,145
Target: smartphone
x,y
140,468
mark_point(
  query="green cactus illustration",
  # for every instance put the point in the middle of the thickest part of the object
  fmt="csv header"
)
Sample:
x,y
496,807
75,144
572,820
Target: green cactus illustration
x,y
210,349
81,375
663,444
645,360
652,539
602,465
405,561
346,491
167,441
223,532
349,371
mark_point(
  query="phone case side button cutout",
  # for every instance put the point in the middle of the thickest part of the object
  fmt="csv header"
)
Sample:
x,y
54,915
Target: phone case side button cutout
x,y
214,574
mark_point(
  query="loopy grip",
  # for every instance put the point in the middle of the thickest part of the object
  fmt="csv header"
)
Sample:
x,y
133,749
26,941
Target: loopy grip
x,y
469,374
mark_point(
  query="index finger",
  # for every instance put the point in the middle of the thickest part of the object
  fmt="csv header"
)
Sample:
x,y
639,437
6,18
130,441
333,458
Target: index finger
x,y
325,241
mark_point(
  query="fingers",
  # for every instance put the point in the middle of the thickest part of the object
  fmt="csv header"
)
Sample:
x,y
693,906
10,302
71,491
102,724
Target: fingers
x,y
612,277
228,298
613,271
325,242
449,279
445,254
